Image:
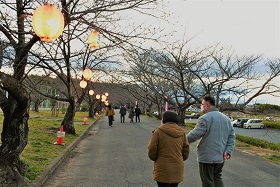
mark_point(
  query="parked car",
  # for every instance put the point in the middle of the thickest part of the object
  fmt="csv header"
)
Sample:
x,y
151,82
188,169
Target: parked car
x,y
193,115
233,123
269,118
240,122
254,123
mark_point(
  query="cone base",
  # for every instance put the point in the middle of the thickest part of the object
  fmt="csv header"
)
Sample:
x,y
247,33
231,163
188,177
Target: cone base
x,y
55,143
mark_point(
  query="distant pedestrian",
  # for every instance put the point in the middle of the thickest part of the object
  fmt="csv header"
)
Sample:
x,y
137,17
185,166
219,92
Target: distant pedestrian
x,y
131,115
110,113
137,114
216,144
123,113
168,148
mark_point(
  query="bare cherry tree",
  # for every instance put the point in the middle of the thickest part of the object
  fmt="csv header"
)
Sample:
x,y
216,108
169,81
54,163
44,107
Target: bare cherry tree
x,y
187,75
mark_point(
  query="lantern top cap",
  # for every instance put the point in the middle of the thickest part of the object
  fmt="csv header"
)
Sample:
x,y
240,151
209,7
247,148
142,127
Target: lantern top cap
x,y
48,2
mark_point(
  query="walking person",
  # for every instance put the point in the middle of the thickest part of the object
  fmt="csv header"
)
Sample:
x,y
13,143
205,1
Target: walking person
x,y
216,144
131,115
110,113
168,148
137,114
123,113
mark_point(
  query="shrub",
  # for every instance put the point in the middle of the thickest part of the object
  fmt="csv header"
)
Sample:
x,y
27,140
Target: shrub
x,y
272,124
258,142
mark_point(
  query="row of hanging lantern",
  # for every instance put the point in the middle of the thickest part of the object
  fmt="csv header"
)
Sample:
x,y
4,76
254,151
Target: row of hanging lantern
x,y
102,98
87,74
48,24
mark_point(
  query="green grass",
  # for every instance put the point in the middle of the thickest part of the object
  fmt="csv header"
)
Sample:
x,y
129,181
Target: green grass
x,y
273,158
40,150
257,142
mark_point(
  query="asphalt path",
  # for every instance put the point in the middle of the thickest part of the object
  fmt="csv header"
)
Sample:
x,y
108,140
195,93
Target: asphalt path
x,y
270,135
117,157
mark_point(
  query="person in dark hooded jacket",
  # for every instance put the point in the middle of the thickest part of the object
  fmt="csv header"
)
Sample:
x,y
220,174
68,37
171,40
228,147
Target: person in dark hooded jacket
x,y
168,148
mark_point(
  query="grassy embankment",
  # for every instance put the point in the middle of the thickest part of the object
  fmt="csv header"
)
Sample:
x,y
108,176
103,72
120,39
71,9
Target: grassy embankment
x,y
40,150
265,149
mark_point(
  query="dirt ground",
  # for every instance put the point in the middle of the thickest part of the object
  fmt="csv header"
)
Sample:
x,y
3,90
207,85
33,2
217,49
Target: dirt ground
x,y
253,150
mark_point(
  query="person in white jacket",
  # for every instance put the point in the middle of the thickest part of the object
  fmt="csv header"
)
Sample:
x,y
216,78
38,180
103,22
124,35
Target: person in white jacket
x,y
217,140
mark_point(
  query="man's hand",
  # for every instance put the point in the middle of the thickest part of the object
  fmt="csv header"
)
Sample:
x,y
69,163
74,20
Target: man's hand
x,y
226,156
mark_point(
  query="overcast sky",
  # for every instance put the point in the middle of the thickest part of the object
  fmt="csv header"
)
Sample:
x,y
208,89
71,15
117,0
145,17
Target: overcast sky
x,y
249,26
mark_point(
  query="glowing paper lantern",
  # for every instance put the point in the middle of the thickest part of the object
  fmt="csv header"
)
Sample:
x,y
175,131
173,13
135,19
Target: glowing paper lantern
x,y
95,39
91,92
83,84
48,22
106,94
97,96
103,98
87,73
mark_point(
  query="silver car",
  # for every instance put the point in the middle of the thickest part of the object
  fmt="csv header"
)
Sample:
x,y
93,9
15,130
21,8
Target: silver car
x,y
254,123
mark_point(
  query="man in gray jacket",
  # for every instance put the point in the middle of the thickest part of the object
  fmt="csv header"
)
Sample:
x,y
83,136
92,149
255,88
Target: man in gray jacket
x,y
216,144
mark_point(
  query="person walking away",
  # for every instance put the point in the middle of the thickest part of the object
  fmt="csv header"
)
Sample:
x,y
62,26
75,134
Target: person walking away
x,y
123,113
110,113
137,113
131,115
216,144
168,148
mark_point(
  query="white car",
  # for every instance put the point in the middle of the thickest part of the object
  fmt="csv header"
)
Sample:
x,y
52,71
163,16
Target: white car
x,y
254,123
233,123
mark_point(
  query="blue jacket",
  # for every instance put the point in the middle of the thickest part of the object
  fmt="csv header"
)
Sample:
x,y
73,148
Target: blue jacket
x,y
217,137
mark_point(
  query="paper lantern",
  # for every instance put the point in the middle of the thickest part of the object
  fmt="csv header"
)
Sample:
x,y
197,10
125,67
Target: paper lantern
x,y
106,94
95,39
48,22
97,96
103,98
83,84
91,92
87,73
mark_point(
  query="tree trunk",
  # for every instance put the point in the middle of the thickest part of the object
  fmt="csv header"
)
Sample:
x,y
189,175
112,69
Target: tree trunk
x,y
36,105
159,111
91,110
14,138
181,115
150,110
68,121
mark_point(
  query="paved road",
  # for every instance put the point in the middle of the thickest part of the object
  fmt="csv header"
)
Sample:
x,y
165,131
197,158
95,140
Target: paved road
x,y
263,134
117,157
270,135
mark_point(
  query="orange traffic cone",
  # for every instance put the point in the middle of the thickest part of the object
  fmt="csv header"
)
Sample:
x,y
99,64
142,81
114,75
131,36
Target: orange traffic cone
x,y
60,136
85,120
96,114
